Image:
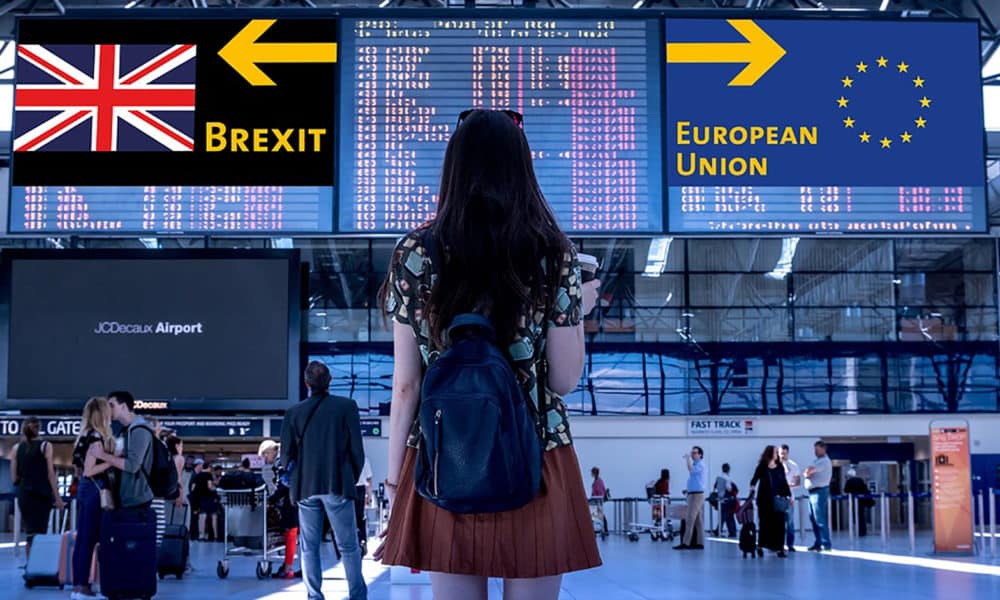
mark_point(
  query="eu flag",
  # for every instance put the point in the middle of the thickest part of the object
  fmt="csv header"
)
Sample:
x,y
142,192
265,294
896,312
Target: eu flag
x,y
889,103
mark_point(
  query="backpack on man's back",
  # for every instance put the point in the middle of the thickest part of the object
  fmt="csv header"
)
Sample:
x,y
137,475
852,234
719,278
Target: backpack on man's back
x,y
162,475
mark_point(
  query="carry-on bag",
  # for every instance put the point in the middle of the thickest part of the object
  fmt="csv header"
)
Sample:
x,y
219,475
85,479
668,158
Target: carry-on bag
x,y
48,553
128,553
172,555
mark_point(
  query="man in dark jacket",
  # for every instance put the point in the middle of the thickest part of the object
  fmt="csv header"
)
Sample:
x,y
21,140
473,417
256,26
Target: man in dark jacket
x,y
321,444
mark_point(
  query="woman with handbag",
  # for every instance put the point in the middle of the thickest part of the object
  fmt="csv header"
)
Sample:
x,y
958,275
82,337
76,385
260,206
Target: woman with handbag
x,y
94,492
493,249
773,500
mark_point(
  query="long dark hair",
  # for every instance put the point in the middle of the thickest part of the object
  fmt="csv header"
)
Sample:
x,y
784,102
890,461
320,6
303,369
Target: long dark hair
x,y
765,458
31,429
493,230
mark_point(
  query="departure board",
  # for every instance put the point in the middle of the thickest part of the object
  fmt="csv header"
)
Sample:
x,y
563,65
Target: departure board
x,y
824,126
170,209
589,90
145,125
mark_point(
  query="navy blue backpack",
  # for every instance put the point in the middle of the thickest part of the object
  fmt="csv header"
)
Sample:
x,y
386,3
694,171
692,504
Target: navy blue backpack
x,y
481,451
481,448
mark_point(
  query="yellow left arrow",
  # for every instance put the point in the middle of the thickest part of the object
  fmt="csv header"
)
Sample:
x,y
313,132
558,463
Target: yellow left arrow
x,y
244,53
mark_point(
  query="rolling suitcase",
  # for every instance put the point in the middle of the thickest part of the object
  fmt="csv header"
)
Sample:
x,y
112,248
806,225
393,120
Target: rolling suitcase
x,y
66,558
172,554
128,553
48,553
748,540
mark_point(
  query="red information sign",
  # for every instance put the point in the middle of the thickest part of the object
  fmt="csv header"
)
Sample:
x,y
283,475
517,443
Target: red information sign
x,y
952,487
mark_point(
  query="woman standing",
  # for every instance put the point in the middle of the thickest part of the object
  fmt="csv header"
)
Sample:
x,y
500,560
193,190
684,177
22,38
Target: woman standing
x,y
662,485
773,495
597,488
175,446
497,251
35,479
95,429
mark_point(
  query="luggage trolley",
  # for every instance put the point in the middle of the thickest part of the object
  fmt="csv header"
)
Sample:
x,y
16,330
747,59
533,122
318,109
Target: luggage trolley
x,y
248,506
597,517
661,528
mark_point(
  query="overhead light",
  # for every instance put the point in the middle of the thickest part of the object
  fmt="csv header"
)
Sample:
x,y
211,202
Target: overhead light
x,y
320,314
656,258
885,5
784,265
639,4
133,3
384,3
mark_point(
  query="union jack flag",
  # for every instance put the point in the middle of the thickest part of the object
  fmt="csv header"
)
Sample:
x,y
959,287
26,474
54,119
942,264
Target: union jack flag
x,y
104,98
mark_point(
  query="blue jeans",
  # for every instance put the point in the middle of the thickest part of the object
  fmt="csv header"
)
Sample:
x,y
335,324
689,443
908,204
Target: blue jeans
x,y
820,517
790,524
340,511
88,529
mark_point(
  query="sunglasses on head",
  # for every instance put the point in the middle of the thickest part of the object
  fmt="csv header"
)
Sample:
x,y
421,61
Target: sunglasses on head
x,y
513,114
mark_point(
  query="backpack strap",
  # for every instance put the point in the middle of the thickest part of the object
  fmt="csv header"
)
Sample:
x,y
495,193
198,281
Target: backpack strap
x,y
472,320
152,438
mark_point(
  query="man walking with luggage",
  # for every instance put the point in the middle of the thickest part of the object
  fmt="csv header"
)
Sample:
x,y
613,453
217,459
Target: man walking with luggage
x,y
694,520
322,446
818,477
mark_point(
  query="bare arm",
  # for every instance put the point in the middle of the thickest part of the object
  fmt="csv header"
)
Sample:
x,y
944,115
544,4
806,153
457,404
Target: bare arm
x,y
565,353
406,376
182,493
13,464
565,348
52,476
90,466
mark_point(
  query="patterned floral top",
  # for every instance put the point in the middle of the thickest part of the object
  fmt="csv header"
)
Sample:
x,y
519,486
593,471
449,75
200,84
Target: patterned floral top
x,y
411,278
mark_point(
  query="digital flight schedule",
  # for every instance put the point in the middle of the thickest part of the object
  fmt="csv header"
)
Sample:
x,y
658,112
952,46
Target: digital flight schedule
x,y
589,90
170,209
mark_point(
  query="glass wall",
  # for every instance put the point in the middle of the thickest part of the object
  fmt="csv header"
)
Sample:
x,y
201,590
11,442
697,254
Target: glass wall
x,y
748,325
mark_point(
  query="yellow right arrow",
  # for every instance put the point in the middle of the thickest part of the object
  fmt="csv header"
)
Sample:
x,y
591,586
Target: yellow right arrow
x,y
760,52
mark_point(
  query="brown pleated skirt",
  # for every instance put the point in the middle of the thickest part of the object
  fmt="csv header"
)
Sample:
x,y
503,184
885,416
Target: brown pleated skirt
x,y
551,535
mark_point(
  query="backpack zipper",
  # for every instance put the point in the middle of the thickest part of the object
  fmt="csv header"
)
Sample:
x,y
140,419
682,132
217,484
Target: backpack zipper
x,y
437,449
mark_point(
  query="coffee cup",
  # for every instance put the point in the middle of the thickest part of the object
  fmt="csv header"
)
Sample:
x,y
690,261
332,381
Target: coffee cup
x,y
588,266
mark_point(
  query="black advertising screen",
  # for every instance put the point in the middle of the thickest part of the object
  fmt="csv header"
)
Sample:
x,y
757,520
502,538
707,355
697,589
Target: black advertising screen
x,y
204,330
146,126
589,90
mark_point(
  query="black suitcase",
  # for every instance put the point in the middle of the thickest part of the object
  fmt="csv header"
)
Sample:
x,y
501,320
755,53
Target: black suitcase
x,y
748,540
127,553
172,555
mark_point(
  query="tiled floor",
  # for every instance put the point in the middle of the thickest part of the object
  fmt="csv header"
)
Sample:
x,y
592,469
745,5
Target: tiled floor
x,y
632,571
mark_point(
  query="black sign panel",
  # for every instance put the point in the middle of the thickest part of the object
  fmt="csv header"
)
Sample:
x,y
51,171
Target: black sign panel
x,y
51,427
228,427
369,427
174,125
